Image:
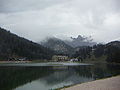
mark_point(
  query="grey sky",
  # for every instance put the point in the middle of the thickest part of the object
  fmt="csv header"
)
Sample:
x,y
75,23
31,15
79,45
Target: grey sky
x,y
37,19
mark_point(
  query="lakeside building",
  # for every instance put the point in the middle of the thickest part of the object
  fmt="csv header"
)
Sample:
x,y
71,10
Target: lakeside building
x,y
59,58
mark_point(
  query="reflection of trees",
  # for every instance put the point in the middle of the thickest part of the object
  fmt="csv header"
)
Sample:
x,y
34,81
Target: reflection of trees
x,y
12,77
113,69
104,70
83,71
98,71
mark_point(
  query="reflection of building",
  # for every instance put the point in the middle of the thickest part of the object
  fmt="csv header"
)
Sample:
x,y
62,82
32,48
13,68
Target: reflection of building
x,y
59,58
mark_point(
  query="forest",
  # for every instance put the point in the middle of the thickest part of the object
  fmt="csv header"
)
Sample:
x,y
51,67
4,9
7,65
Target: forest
x,y
12,45
110,50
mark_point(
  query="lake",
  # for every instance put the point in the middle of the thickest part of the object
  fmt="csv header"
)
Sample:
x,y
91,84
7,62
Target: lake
x,y
47,76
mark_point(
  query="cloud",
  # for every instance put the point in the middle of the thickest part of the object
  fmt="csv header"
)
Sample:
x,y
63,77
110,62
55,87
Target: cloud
x,y
37,19
27,5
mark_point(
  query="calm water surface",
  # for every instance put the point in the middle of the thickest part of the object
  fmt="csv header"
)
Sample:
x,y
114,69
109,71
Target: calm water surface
x,y
46,76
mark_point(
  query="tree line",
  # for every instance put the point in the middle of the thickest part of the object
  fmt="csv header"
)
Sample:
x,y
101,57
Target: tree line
x,y
110,50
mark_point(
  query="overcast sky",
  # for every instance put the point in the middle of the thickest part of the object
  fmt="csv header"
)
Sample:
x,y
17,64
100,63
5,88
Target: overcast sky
x,y
37,19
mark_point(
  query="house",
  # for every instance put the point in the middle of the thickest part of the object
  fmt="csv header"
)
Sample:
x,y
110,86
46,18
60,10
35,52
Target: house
x,y
74,60
59,58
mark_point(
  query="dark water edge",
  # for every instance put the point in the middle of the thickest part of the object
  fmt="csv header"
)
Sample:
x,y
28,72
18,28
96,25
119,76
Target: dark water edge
x,y
51,77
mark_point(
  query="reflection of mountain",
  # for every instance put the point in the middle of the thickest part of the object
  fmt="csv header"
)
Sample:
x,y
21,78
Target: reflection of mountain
x,y
50,77
69,75
77,74
64,78
59,78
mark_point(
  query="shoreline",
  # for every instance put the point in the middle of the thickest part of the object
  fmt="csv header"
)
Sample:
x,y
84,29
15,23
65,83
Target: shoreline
x,y
32,61
110,83
5,62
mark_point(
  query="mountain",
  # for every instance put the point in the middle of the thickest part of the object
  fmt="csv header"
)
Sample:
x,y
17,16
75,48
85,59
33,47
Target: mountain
x,y
58,45
80,41
14,46
67,46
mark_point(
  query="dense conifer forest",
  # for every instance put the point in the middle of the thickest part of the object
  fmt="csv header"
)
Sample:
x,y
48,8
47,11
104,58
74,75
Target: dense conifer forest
x,y
12,45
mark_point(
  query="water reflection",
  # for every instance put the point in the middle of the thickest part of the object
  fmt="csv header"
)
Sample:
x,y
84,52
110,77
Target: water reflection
x,y
48,77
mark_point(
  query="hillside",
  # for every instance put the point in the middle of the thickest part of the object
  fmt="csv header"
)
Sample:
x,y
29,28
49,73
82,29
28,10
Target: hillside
x,y
109,52
113,51
59,46
12,45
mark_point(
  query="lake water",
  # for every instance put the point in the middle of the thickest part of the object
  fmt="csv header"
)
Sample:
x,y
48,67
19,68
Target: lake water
x,y
47,76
